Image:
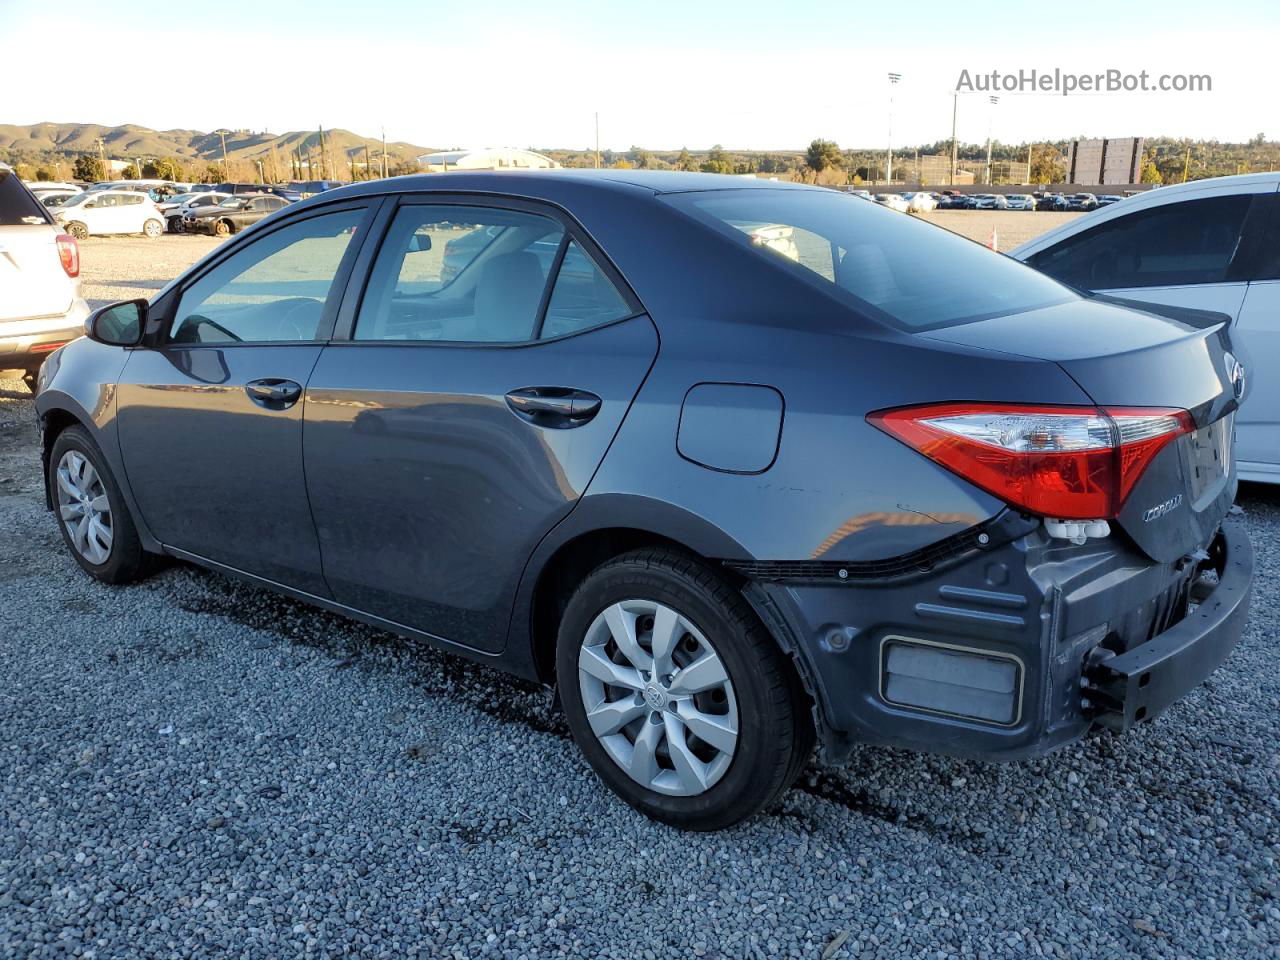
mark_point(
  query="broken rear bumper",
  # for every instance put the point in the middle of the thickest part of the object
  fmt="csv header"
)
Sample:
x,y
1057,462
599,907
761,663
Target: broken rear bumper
x,y
1009,649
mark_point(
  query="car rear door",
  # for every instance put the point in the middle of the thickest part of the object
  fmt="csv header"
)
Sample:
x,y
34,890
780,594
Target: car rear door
x,y
210,415
32,281
462,408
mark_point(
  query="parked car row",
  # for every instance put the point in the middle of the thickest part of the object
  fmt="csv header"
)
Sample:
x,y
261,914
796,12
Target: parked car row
x,y
924,201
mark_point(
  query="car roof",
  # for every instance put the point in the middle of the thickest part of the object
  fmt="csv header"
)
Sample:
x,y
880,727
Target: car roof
x,y
538,184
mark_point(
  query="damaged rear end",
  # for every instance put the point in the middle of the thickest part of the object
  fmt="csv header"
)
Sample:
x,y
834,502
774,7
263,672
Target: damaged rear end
x,y
1114,583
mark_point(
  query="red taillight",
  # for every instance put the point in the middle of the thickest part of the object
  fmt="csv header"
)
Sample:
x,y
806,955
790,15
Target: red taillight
x,y
1069,463
69,254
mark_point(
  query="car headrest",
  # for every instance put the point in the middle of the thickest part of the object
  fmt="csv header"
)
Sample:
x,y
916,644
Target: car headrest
x,y
508,293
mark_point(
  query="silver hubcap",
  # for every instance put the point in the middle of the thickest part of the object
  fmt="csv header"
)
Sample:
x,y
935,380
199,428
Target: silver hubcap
x,y
83,506
658,698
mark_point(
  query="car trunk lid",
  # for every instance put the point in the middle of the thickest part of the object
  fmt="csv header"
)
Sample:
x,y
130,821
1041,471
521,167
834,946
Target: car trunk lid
x,y
1160,357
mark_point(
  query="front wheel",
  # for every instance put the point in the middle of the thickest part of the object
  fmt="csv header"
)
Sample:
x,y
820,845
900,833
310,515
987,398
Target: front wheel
x,y
222,229
152,229
92,516
681,702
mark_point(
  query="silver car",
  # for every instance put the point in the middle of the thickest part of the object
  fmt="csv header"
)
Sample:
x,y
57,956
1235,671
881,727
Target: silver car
x,y
40,303
1209,245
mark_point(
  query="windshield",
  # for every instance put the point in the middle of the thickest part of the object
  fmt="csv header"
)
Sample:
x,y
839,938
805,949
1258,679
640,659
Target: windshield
x,y
78,199
233,202
912,275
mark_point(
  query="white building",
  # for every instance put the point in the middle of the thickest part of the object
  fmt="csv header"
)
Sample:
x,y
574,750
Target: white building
x,y
490,158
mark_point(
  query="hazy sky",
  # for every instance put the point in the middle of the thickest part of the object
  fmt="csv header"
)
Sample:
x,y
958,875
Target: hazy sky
x,y
661,74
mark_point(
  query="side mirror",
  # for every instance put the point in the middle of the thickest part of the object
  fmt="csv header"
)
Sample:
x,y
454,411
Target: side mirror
x,y
118,325
420,243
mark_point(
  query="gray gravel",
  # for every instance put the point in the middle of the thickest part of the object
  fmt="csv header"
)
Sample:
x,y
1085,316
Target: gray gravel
x,y
192,767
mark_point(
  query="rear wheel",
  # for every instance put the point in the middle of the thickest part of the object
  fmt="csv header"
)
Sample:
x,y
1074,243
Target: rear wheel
x,y
152,229
222,229
78,230
92,515
675,693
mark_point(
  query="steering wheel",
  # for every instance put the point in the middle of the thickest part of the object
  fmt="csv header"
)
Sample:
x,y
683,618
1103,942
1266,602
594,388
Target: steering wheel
x,y
294,324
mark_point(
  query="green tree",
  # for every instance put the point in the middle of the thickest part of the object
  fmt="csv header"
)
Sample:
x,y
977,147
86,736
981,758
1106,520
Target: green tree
x,y
717,161
1150,172
130,172
162,169
640,157
821,155
44,173
87,167
684,161
1047,166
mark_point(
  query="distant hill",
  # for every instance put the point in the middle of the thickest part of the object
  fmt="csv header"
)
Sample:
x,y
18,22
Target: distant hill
x,y
42,141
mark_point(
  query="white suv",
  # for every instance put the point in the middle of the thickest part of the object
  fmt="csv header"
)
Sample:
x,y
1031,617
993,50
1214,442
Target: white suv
x,y
40,303
99,212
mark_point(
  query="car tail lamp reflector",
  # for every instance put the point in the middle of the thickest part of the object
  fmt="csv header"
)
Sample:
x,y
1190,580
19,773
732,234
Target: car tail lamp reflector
x,y
69,254
1070,463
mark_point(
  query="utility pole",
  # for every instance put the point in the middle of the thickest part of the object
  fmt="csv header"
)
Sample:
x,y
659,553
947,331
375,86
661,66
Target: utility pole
x,y
262,177
597,139
955,99
384,153
888,163
226,165
368,165
994,101
323,175
102,158
1186,164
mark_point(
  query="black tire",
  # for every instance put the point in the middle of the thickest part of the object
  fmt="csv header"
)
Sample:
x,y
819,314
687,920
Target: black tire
x,y
775,734
126,561
222,229
29,378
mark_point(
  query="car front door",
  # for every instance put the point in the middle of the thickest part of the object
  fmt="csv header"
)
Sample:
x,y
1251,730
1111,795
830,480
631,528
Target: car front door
x,y
210,415
103,213
459,414
1258,333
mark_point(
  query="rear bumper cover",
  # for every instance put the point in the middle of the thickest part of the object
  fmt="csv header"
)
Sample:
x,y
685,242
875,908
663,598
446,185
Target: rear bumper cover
x,y
21,340
1087,626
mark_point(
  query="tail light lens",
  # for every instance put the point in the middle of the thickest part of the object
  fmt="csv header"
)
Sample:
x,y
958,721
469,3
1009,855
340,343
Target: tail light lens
x,y
69,254
1069,463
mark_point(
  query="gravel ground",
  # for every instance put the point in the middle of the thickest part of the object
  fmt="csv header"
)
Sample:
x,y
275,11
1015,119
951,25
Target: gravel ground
x,y
193,767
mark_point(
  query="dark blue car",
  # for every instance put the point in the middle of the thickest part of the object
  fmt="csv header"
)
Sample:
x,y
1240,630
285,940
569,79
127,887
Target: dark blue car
x,y
740,467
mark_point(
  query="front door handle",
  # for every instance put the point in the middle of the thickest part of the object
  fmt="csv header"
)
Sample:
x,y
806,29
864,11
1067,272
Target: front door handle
x,y
555,407
273,393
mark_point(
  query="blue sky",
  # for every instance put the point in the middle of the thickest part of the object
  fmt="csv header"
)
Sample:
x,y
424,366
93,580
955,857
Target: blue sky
x,y
661,74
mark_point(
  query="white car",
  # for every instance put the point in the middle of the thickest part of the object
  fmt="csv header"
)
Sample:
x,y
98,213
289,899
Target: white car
x,y
1020,201
40,303
55,198
894,201
920,202
104,212
1209,245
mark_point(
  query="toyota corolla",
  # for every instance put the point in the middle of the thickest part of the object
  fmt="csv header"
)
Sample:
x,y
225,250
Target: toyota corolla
x,y
732,497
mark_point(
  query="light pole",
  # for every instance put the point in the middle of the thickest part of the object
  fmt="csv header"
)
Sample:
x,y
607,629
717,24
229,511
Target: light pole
x,y
955,99
990,114
888,161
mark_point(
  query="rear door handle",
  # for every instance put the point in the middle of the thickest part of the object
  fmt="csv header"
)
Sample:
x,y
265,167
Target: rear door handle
x,y
273,393
556,407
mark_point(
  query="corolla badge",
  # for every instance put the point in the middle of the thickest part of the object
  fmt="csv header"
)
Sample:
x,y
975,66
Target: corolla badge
x,y
1236,375
1160,509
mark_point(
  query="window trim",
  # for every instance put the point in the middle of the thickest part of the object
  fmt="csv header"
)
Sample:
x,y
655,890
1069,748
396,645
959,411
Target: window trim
x,y
1229,272
160,318
357,285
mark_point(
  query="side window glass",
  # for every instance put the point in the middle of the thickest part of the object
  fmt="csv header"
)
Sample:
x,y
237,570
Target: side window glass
x,y
1181,243
459,274
582,296
275,288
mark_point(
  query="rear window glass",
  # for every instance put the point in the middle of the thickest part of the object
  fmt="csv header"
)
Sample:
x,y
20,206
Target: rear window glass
x,y
895,268
17,205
